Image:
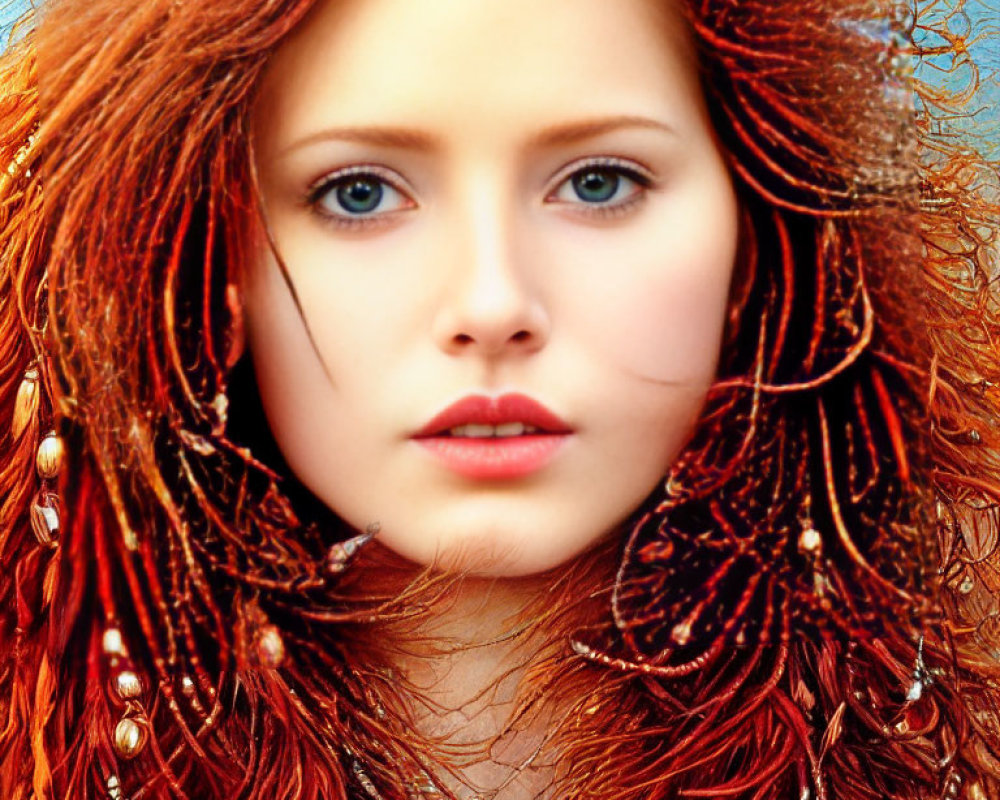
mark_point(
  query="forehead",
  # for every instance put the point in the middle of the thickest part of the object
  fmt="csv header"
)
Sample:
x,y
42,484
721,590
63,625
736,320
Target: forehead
x,y
493,62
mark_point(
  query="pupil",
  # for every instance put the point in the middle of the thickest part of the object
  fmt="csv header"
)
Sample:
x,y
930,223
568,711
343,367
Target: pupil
x,y
595,186
360,196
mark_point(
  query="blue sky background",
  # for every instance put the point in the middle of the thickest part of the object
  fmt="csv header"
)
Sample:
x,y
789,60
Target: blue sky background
x,y
980,17
10,10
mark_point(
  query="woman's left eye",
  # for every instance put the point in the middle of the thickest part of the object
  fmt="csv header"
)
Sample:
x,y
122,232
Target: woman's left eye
x,y
602,186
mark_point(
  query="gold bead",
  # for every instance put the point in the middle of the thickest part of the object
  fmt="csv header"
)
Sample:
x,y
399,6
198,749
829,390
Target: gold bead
x,y
341,553
44,521
127,685
26,402
681,633
130,737
51,453
270,647
113,643
810,540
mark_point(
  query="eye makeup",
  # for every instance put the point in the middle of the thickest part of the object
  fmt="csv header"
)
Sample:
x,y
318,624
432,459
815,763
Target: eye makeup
x,y
355,197
362,196
593,187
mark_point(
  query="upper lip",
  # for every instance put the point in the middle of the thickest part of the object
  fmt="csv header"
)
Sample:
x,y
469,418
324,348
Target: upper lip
x,y
483,410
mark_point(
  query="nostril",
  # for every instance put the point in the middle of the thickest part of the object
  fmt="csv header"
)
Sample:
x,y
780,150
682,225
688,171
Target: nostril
x,y
520,336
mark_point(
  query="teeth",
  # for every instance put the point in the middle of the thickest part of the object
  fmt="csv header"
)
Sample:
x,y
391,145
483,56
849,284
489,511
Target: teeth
x,y
479,431
488,431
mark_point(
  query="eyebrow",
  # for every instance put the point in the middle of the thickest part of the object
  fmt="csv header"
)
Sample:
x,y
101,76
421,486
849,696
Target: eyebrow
x,y
412,139
573,132
398,138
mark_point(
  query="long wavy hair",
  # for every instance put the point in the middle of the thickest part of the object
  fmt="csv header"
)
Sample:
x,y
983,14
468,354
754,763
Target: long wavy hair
x,y
807,607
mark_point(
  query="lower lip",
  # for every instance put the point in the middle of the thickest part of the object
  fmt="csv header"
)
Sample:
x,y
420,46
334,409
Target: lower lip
x,y
494,458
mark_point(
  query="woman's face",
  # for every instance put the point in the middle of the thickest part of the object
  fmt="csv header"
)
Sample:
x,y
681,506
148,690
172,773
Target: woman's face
x,y
514,203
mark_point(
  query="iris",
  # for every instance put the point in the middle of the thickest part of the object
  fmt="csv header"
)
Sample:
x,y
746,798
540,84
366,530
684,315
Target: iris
x,y
596,185
360,195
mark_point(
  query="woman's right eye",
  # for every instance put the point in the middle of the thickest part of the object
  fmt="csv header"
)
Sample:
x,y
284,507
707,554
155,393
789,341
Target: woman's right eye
x,y
358,195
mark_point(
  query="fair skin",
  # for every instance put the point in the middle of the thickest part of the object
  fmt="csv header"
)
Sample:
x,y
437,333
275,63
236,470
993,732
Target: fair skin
x,y
486,198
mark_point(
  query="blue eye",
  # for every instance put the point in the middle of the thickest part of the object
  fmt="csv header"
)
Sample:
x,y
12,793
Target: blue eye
x,y
360,195
602,186
596,185
355,195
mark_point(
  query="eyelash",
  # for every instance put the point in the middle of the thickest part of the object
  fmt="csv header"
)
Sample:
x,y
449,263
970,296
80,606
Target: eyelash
x,y
603,210
329,183
643,180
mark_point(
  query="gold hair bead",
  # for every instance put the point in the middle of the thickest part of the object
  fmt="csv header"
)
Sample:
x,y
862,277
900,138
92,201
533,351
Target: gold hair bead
x,y
130,737
45,520
51,453
341,553
681,633
270,647
112,642
127,685
26,402
810,540
21,156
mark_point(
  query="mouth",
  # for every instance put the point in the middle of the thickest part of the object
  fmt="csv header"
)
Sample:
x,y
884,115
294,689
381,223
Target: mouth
x,y
499,438
481,417
504,431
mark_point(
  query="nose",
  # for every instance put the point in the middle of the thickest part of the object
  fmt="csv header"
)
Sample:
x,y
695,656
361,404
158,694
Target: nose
x,y
491,304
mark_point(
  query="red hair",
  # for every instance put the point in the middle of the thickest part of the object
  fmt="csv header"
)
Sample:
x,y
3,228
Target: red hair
x,y
777,620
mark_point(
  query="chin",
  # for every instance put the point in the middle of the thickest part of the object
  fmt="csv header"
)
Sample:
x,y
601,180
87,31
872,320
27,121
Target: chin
x,y
498,554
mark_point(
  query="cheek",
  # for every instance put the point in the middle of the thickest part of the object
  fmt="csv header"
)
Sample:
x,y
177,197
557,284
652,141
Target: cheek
x,y
666,331
657,314
294,387
279,342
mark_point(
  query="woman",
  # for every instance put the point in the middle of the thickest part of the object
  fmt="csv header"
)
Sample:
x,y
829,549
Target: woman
x,y
490,284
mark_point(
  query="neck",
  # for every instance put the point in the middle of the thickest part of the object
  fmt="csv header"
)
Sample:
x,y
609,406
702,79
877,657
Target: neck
x,y
473,647
464,667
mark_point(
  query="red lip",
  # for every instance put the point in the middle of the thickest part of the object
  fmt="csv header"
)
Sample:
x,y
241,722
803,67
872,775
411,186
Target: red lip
x,y
482,410
494,458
